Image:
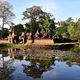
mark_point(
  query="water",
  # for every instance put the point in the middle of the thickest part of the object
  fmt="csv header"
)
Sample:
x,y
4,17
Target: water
x,y
32,64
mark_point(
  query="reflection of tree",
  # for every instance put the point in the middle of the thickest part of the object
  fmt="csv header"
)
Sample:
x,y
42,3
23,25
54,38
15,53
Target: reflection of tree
x,y
69,63
5,72
38,67
11,53
75,50
73,59
6,68
19,57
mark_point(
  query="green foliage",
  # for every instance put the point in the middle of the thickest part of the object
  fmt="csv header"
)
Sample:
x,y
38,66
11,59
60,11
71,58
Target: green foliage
x,y
7,45
78,30
61,31
48,24
18,29
34,27
27,27
5,15
4,33
31,27
74,30
33,13
62,24
0,34
75,50
69,29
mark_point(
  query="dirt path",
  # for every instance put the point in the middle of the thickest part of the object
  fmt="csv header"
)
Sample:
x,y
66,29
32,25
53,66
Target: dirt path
x,y
4,41
37,41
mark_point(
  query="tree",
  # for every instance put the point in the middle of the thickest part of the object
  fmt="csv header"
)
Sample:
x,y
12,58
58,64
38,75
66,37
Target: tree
x,y
18,29
70,19
38,20
49,26
33,14
78,29
27,27
62,31
71,30
5,13
74,30
78,33
48,23
5,32
62,24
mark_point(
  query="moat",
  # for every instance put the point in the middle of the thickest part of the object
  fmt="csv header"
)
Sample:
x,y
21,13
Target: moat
x,y
39,64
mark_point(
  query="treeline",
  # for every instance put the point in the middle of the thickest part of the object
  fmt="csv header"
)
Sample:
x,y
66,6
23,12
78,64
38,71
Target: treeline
x,y
68,29
41,24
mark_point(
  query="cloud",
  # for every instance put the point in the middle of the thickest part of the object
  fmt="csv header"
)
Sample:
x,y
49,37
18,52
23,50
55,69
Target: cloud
x,y
49,6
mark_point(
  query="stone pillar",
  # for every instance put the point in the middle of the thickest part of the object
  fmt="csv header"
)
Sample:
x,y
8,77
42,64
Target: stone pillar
x,y
10,39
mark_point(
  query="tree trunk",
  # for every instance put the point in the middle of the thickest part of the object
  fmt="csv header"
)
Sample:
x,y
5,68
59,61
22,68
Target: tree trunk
x,y
2,26
32,37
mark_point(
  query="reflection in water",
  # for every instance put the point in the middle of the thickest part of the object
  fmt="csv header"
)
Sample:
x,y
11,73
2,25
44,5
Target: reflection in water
x,y
38,67
5,68
76,49
27,64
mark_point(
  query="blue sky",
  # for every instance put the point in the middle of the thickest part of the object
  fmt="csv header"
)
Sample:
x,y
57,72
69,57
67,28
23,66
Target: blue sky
x,y
61,9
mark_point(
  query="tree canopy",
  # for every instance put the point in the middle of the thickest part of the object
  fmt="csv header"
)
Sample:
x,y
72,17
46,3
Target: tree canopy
x,y
6,13
18,29
36,18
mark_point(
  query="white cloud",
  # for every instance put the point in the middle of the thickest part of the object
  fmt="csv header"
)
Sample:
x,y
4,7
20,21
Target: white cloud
x,y
49,6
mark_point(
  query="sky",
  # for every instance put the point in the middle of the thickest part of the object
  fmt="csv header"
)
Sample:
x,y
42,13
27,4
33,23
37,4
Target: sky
x,y
61,9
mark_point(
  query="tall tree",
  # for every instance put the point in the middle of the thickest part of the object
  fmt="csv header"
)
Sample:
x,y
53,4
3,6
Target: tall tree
x,y
5,13
49,26
33,14
74,30
61,31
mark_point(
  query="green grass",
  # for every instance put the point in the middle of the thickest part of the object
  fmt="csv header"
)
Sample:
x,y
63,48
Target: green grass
x,y
8,45
67,43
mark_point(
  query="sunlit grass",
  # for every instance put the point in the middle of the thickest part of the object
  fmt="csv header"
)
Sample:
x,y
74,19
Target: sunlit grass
x,y
6,45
